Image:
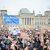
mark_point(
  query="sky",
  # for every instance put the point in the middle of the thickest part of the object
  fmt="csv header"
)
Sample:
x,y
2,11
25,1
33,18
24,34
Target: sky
x,y
14,6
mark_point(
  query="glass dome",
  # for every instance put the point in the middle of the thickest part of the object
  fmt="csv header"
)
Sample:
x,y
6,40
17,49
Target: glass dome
x,y
24,10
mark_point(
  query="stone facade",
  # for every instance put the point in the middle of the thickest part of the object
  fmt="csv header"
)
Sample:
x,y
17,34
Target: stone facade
x,y
29,20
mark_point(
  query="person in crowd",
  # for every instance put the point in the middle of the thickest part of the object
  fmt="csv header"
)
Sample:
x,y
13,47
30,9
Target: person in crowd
x,y
9,42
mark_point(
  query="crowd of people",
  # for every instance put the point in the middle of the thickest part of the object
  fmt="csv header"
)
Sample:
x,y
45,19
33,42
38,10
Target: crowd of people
x,y
9,41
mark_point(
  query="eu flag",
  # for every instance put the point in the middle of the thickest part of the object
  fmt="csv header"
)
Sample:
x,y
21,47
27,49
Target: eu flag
x,y
10,19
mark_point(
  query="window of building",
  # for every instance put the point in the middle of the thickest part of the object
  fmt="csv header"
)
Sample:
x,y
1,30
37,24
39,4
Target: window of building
x,y
48,21
27,21
30,21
